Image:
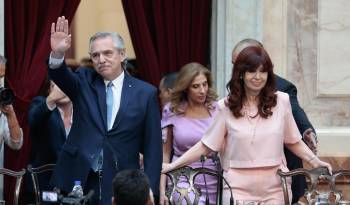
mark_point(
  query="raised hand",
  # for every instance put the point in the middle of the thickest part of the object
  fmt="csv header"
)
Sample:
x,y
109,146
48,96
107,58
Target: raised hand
x,y
60,40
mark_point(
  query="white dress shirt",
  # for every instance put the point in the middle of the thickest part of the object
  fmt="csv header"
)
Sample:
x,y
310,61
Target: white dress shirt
x,y
117,93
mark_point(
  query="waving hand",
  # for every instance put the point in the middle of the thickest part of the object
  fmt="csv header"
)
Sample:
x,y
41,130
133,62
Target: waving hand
x,y
60,39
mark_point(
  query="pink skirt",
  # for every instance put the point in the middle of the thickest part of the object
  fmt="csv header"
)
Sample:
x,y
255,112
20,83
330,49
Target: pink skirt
x,y
261,185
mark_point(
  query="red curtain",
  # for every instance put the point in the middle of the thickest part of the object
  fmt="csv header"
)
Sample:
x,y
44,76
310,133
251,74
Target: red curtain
x,y
27,46
168,34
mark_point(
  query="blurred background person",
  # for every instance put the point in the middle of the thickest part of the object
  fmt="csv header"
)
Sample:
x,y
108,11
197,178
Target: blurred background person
x,y
10,131
50,121
251,127
166,84
131,69
185,119
86,62
72,63
131,187
305,127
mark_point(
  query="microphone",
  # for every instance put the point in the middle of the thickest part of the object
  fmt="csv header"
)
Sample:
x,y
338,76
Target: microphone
x,y
205,181
216,161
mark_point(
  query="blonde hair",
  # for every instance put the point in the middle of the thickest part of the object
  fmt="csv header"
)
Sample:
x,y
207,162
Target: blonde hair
x,y
183,81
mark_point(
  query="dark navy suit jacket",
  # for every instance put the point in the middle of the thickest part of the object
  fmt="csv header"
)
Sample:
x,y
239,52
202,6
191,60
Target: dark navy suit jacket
x,y
293,162
136,129
47,134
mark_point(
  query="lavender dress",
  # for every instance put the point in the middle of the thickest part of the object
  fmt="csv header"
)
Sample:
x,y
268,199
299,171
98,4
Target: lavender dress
x,y
186,133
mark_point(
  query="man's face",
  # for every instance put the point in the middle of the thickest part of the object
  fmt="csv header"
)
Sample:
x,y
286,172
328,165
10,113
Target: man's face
x,y
106,58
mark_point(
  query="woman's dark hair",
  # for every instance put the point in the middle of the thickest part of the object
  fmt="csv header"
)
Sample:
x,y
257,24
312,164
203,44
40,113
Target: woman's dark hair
x,y
249,60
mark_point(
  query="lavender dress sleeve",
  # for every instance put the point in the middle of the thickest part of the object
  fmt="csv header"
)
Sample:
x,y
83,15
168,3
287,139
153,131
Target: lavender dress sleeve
x,y
166,121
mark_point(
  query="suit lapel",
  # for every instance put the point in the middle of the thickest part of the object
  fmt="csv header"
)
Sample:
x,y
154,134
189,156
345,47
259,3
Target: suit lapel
x,y
124,99
100,91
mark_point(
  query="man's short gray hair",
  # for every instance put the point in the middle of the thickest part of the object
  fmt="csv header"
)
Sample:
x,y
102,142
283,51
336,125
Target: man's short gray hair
x,y
247,41
2,59
118,41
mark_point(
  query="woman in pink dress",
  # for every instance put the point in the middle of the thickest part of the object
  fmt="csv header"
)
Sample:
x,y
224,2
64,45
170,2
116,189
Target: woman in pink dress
x,y
252,124
185,119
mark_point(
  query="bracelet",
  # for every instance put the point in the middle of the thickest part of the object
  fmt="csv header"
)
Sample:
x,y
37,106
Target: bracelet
x,y
312,158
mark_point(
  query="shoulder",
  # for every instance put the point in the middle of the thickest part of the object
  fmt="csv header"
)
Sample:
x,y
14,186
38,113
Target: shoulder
x,y
283,84
84,70
167,116
213,106
167,111
282,98
140,85
88,74
221,104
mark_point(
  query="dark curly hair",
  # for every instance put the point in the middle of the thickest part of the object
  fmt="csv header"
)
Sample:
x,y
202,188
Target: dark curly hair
x,y
248,60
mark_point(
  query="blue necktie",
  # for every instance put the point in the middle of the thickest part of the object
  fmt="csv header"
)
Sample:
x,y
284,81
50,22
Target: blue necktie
x,y
109,101
98,160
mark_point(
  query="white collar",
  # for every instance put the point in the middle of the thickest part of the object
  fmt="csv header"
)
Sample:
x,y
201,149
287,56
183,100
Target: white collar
x,y
118,82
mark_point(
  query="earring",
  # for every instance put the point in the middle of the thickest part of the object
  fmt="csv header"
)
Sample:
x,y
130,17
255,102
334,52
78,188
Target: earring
x,y
240,77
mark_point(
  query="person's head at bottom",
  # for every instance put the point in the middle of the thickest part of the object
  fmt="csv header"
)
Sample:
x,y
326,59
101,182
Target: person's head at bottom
x,y
131,187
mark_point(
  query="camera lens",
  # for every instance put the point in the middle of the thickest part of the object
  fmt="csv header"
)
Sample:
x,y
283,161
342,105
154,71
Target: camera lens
x,y
6,96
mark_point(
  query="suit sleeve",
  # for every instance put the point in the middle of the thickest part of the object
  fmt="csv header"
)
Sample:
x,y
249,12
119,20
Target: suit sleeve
x,y
299,115
66,80
152,143
38,112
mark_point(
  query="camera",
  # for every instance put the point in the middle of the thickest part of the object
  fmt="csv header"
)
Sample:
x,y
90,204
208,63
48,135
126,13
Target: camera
x,y
6,96
55,197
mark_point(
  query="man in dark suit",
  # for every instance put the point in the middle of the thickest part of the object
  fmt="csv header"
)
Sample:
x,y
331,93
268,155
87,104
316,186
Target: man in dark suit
x,y
50,120
305,127
115,117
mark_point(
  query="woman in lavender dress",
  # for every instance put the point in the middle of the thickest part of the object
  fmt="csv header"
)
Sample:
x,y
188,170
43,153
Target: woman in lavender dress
x,y
185,119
